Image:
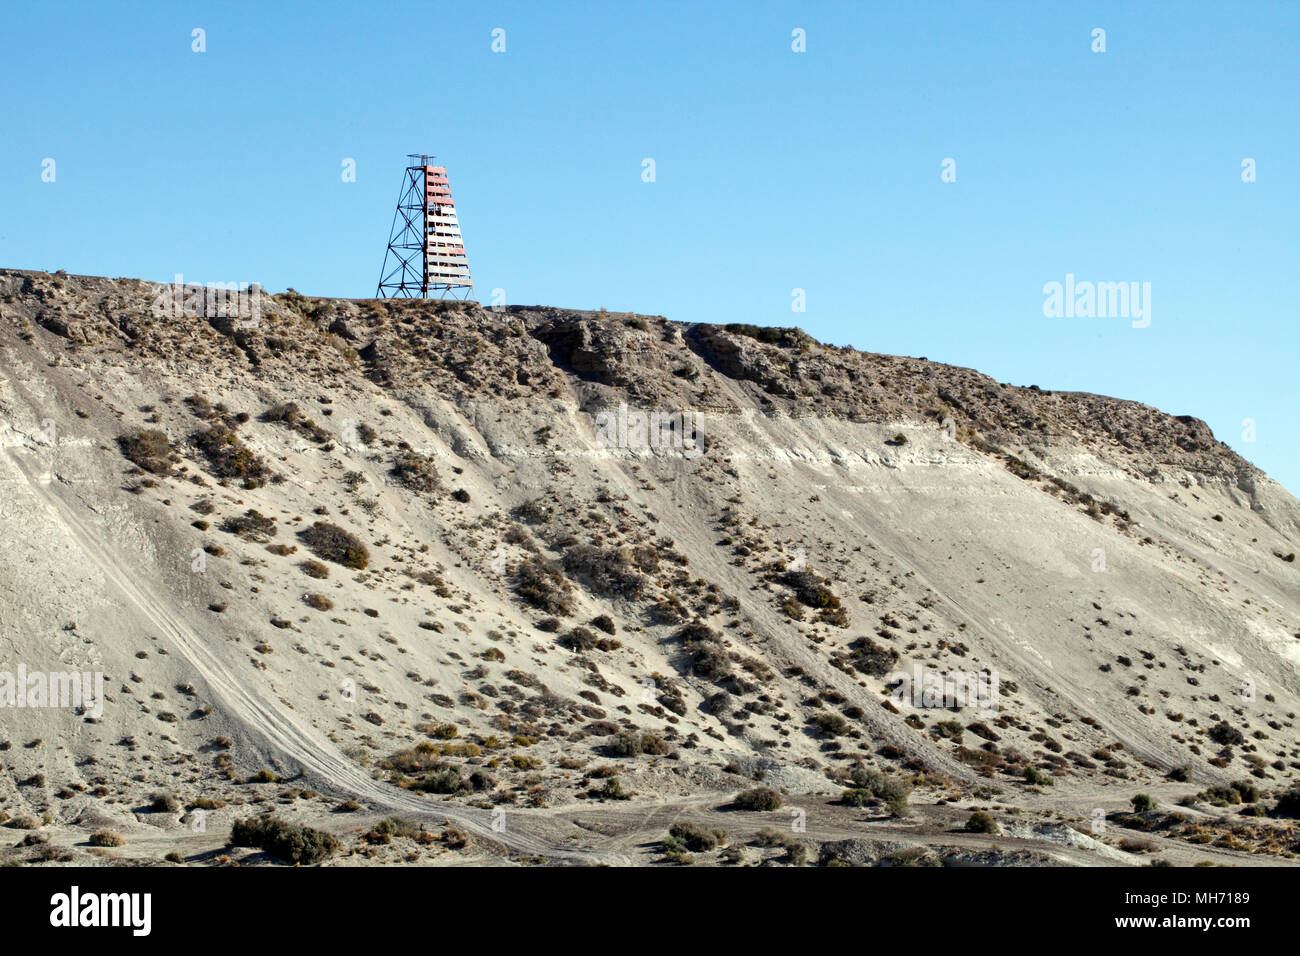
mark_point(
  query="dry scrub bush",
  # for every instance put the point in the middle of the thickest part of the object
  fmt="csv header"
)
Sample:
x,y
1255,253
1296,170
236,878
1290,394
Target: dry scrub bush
x,y
332,543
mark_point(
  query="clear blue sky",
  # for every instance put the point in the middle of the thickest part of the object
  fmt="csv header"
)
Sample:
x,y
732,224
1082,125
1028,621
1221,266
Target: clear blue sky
x,y
775,170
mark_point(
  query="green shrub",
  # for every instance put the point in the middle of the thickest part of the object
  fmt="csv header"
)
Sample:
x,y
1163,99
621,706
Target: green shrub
x,y
981,821
444,779
758,798
1037,778
872,788
288,841
695,838
1142,802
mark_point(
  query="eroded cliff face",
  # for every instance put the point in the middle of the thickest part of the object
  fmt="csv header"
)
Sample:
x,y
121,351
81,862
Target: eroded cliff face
x,y
545,605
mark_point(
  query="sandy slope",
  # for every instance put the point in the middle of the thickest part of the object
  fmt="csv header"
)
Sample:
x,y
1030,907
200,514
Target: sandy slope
x,y
960,555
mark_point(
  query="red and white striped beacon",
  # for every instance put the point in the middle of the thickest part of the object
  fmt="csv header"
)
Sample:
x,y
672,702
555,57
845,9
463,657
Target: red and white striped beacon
x,y
426,254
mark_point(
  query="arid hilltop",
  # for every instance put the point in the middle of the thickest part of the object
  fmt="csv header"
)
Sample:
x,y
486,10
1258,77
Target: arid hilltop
x,y
386,581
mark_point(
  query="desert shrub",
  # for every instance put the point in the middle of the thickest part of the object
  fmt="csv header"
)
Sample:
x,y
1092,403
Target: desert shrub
x,y
831,725
625,744
1142,802
1288,805
629,743
229,458
542,584
810,588
174,857
604,623
290,414
416,472
444,779
951,729
857,797
1225,735
418,759
579,639
314,569
911,856
871,658
758,798
667,612
533,512
981,821
318,601
1246,790
612,789
397,827
336,544
251,525
614,572
288,841
872,788
1037,778
693,837
163,802
708,658
150,450
1181,774
772,335
107,838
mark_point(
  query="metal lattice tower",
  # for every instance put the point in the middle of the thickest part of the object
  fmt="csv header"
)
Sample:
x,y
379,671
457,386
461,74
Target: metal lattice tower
x,y
426,255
